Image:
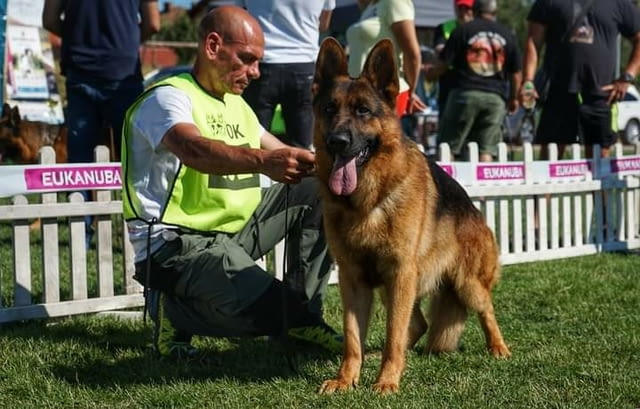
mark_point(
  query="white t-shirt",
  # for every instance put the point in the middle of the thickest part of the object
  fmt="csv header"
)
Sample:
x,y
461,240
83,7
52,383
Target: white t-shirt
x,y
290,27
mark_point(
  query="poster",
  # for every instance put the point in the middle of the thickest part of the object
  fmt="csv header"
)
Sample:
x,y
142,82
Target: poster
x,y
27,78
29,68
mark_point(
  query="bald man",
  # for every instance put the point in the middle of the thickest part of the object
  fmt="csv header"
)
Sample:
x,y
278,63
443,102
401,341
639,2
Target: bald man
x,y
192,156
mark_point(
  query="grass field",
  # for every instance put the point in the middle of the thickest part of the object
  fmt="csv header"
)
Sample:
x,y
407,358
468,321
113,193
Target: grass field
x,y
572,325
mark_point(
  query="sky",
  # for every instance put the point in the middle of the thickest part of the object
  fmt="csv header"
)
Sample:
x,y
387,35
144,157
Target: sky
x,y
180,3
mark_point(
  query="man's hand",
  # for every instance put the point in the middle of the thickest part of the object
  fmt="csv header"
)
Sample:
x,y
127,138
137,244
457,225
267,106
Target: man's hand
x,y
289,165
616,91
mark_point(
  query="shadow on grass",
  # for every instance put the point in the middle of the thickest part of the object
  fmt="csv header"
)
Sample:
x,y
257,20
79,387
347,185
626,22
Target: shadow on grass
x,y
113,353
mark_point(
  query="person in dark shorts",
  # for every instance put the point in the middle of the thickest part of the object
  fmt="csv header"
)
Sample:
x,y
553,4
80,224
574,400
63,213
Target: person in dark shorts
x,y
442,32
579,37
485,57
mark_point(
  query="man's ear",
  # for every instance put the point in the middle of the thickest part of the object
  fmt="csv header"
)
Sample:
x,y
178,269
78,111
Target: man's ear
x,y
212,44
381,71
331,62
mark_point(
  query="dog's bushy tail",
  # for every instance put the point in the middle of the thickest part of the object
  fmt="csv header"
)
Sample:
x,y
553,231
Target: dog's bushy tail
x,y
447,316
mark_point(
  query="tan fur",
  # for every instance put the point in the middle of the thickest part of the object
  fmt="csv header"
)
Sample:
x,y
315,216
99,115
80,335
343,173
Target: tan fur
x,y
21,140
397,231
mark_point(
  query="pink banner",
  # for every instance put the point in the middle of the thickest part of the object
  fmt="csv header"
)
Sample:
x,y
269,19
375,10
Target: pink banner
x,y
625,165
59,178
500,172
447,168
573,169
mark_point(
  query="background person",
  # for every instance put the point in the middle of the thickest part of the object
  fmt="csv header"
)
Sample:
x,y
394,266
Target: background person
x,y
291,30
486,60
580,54
101,62
393,19
446,81
196,217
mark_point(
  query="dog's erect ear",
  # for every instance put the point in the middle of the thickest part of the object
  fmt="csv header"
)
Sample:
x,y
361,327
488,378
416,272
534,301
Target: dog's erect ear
x,y
15,116
331,62
6,110
381,71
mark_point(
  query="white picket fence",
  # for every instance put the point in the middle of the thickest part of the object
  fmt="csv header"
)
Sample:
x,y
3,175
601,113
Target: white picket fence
x,y
581,207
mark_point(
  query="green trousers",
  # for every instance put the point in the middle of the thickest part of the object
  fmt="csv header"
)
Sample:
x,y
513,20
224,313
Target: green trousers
x,y
219,290
472,116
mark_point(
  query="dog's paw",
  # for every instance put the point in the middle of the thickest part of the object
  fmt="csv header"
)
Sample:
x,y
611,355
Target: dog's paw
x,y
385,388
335,385
499,350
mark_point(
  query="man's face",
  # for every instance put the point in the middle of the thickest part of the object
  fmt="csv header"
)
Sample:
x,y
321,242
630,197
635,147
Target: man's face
x,y
464,14
239,64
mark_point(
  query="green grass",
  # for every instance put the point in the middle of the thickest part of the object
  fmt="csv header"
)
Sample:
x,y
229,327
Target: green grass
x,y
572,325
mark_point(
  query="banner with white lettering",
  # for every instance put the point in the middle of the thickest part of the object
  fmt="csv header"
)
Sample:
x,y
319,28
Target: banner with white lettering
x,y
16,180
25,179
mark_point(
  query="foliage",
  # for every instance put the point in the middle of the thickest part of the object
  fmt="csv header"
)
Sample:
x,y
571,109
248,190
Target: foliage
x,y
513,14
183,29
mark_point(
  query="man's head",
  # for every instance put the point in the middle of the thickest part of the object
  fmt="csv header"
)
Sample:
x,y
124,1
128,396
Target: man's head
x,y
230,46
487,8
463,10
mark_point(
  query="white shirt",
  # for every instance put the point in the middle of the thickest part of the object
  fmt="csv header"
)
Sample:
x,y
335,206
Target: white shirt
x,y
291,27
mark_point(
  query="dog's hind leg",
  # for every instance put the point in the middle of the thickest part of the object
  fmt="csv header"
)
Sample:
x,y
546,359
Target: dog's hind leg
x,y
447,316
477,297
417,326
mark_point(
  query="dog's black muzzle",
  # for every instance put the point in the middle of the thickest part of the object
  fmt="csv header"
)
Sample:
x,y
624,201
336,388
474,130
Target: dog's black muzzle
x,y
338,143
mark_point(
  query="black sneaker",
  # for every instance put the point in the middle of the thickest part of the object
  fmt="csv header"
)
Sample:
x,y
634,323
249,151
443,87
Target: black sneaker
x,y
321,334
168,341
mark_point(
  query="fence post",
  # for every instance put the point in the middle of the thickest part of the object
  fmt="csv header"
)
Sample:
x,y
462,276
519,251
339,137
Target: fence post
x,y
21,258
50,239
78,251
529,202
104,235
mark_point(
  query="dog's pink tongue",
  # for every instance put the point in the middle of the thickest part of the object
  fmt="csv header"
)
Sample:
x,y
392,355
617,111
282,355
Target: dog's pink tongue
x,y
343,178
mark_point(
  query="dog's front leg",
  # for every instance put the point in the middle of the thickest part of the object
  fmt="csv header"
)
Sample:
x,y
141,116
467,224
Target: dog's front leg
x,y
400,300
357,298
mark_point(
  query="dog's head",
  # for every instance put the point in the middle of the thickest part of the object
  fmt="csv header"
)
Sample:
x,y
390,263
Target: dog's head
x,y
354,117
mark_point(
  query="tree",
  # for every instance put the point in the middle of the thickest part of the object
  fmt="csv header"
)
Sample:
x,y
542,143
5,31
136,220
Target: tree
x,y
182,29
513,14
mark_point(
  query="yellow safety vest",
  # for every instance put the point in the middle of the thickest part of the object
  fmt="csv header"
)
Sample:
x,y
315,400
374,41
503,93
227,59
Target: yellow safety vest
x,y
199,201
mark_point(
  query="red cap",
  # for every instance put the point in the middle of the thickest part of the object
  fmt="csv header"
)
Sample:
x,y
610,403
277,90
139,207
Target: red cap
x,y
468,3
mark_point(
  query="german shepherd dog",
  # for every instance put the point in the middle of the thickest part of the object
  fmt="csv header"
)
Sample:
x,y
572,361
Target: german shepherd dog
x,y
395,221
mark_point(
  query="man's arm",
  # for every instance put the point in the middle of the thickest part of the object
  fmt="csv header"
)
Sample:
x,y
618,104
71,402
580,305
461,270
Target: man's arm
x,y
52,16
150,19
513,103
325,20
633,65
405,34
618,88
284,164
535,39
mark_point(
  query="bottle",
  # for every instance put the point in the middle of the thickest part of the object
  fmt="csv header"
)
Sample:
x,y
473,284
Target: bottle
x,y
528,95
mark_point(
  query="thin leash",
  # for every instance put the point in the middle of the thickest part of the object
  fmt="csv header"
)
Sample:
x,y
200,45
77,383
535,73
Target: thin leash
x,y
147,278
289,351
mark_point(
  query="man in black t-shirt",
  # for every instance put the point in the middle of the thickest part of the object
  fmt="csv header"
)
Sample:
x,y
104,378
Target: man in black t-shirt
x,y
580,54
441,34
486,60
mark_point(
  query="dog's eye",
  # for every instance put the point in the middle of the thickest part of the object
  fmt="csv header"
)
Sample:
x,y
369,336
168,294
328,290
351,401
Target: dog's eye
x,y
362,110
